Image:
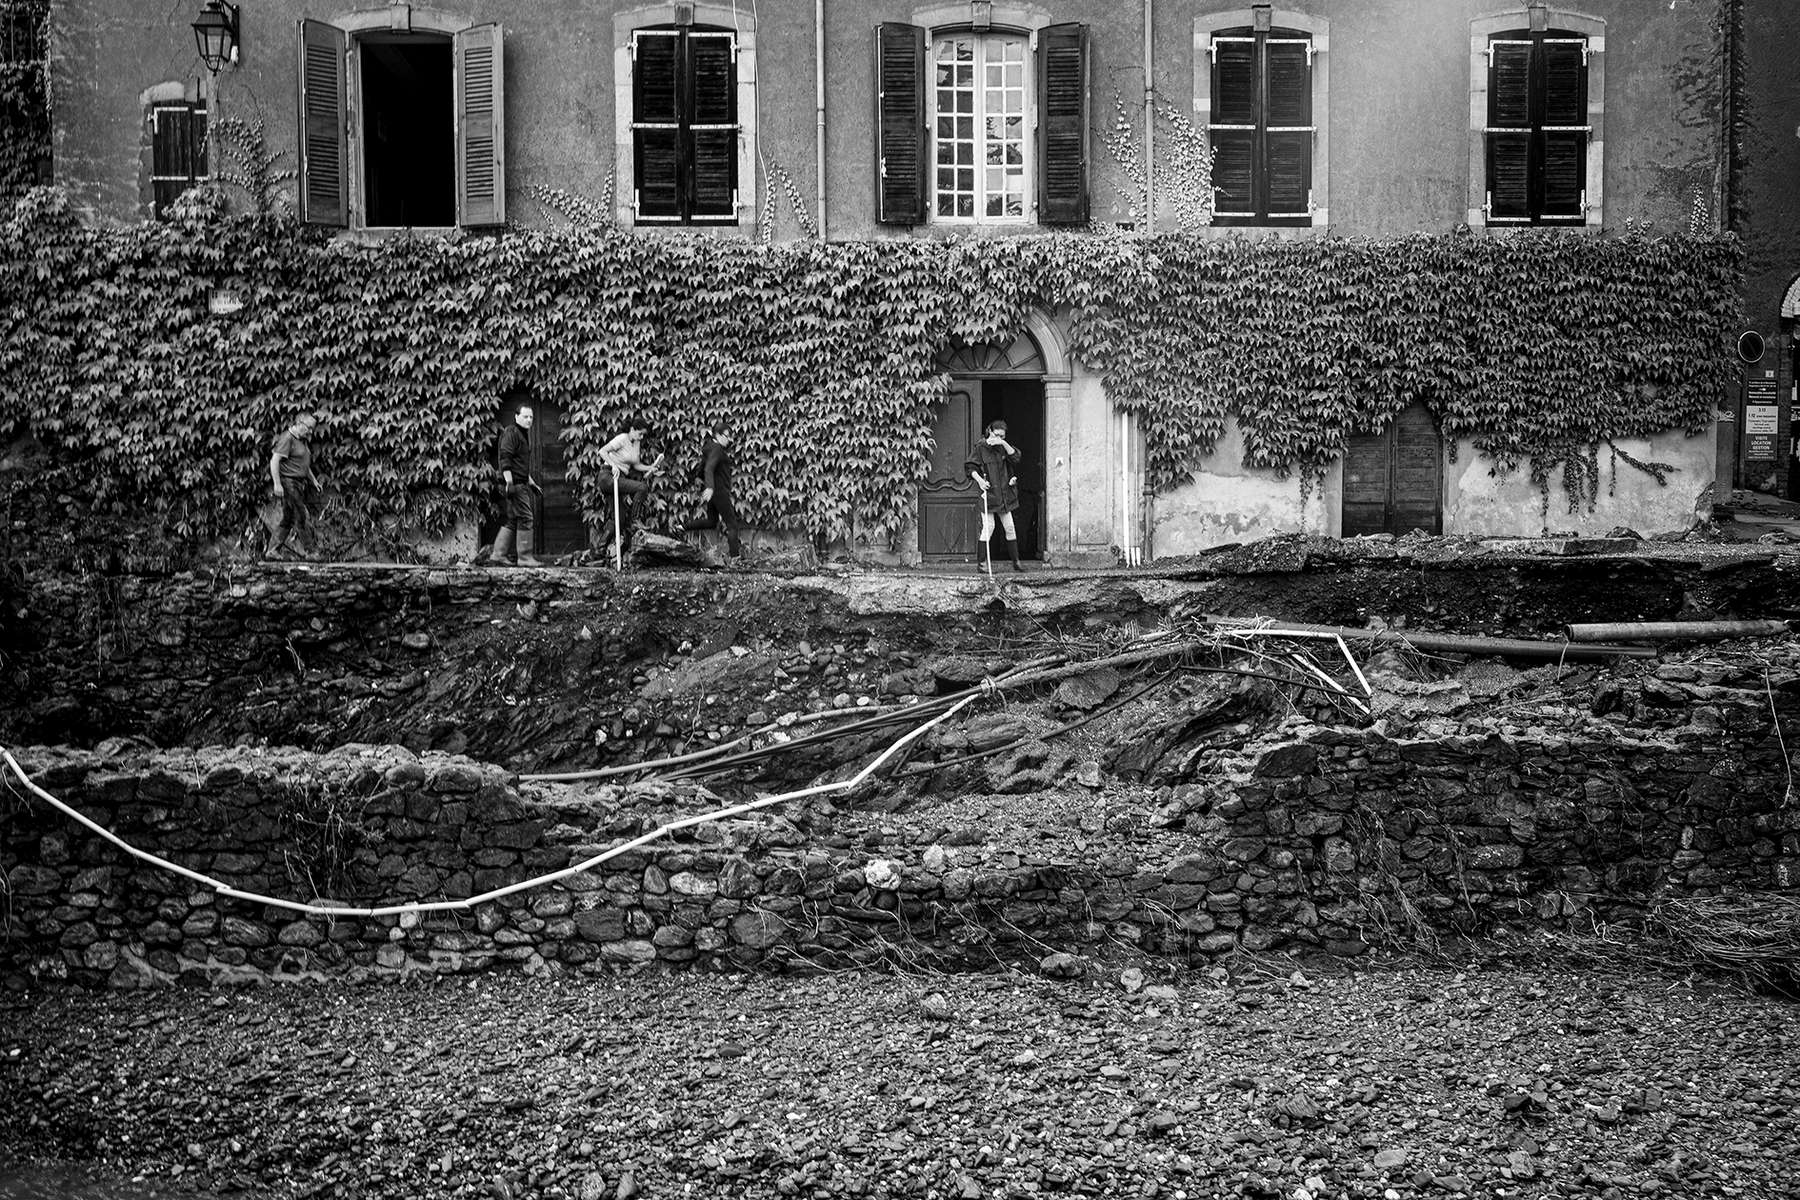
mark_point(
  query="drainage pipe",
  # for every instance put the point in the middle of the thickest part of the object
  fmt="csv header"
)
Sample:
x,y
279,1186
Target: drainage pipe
x,y
1149,123
819,72
1663,631
1450,643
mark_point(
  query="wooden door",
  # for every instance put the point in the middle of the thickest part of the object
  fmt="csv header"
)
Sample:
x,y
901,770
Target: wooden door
x,y
1394,480
949,504
1020,403
556,527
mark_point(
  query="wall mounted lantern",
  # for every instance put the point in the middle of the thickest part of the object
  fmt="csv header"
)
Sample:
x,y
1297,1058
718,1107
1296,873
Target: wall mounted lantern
x,y
216,34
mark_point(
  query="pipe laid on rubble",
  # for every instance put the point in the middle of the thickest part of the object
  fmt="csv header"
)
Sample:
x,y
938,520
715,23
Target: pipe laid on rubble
x,y
1450,643
1664,631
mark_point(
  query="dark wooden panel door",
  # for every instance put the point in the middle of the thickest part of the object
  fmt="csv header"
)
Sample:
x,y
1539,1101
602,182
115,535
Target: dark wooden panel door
x,y
1020,403
557,527
1394,480
949,505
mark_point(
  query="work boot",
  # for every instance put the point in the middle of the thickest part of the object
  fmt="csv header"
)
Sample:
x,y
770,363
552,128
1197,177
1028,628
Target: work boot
x,y
503,554
1012,551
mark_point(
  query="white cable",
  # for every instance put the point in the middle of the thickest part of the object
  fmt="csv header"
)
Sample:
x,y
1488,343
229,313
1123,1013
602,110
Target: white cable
x,y
588,864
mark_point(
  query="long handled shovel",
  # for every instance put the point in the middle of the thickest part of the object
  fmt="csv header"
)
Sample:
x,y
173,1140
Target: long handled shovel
x,y
618,528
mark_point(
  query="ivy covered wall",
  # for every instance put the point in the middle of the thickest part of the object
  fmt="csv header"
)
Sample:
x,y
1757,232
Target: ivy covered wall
x,y
822,358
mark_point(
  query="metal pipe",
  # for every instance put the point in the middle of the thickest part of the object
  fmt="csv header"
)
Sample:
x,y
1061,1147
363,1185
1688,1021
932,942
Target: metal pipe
x,y
1451,643
819,72
1662,631
1149,123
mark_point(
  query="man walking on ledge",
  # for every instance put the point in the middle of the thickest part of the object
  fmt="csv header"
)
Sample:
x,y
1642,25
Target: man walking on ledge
x,y
714,473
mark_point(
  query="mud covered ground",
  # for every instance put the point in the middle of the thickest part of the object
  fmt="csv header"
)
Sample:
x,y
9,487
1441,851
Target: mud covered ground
x,y
1277,1080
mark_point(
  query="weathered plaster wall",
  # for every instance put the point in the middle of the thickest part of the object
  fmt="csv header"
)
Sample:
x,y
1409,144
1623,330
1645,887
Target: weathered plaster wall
x,y
1771,161
1479,502
1228,502
1330,838
1398,125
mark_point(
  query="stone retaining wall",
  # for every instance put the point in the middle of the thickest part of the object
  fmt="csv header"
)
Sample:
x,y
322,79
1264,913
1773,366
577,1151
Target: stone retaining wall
x,y
1330,838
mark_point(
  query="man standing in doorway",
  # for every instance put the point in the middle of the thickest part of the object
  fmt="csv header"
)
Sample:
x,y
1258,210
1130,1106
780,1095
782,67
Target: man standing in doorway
x,y
714,473
516,480
295,485
994,466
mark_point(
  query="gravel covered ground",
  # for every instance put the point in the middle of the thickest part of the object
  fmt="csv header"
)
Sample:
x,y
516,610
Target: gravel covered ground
x,y
1392,1080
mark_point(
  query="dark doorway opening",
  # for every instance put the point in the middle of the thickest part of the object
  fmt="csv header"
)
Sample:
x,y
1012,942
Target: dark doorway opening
x,y
1020,403
408,129
950,505
557,527
1394,480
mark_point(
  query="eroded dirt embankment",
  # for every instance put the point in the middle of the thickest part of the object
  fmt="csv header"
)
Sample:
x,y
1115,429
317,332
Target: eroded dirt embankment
x,y
569,668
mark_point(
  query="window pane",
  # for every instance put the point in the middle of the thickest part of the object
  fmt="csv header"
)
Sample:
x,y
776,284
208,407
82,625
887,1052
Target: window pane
x,y
965,206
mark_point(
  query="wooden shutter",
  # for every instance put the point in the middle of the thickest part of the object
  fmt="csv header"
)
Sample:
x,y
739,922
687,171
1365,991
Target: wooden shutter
x,y
323,173
1062,125
1509,131
656,122
712,117
1565,135
177,151
480,127
1288,129
1233,131
900,123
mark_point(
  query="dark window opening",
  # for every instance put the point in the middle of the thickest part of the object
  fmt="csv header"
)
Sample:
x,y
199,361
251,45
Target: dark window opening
x,y
408,129
177,151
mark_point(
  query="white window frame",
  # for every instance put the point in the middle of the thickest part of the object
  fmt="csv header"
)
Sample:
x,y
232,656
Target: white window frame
x,y
742,22
1482,31
1027,43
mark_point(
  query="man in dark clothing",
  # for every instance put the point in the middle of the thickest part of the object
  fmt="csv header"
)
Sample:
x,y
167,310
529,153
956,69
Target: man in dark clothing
x,y
515,477
714,473
994,466
291,475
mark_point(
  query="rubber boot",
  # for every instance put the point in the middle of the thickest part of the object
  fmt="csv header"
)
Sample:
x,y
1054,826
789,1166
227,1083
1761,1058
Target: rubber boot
x,y
523,557
982,562
1012,552
504,555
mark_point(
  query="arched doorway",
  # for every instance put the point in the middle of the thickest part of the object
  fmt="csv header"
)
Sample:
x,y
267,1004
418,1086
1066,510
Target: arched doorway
x,y
557,527
988,383
1394,480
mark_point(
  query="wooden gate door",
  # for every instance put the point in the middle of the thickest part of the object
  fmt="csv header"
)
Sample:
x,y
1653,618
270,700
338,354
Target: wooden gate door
x,y
557,527
948,501
1394,480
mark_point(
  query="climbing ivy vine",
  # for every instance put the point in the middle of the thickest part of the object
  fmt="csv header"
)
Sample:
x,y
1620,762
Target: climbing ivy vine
x,y
821,357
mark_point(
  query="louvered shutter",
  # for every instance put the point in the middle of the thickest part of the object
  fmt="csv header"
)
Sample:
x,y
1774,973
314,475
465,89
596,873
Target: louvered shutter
x,y
1062,125
323,175
1565,128
656,122
899,123
480,127
1288,129
1234,123
1509,131
712,118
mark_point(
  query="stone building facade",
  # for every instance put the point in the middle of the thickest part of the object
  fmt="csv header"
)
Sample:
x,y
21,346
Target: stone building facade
x,y
958,120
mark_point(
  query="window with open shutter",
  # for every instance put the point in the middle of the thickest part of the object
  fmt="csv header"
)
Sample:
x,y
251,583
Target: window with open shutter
x,y
177,150
1538,128
684,125
899,124
324,167
1063,124
480,127
1261,128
